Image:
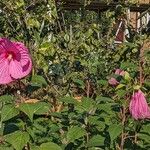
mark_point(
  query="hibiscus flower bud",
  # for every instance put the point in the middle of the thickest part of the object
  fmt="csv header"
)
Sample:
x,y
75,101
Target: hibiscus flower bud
x,y
113,81
120,72
139,108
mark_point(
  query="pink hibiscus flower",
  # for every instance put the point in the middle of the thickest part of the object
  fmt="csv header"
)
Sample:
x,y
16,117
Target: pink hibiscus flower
x,y
139,108
113,81
15,62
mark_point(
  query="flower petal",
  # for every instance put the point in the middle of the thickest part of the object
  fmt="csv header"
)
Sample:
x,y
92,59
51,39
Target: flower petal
x,y
7,45
5,77
17,71
25,57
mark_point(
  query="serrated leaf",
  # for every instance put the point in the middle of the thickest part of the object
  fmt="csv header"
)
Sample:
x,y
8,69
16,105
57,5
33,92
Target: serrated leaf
x,y
41,108
35,108
8,111
126,65
6,148
86,104
114,131
104,99
68,100
96,140
93,120
6,98
50,146
38,80
121,93
102,82
107,107
17,139
144,137
75,133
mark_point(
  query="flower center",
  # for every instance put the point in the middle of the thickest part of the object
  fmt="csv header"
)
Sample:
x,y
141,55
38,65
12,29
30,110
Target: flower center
x,y
10,55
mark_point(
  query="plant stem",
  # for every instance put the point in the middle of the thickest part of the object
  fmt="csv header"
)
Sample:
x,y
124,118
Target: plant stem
x,y
141,63
88,88
123,134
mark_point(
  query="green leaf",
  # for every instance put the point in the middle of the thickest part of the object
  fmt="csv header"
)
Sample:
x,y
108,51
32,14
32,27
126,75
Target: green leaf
x,y
104,99
96,140
95,148
36,108
17,139
79,82
127,76
49,146
85,105
121,93
136,87
130,65
8,111
120,86
102,82
38,81
68,100
146,129
41,108
144,137
34,148
32,22
107,107
6,98
75,133
93,120
114,131
66,37
6,148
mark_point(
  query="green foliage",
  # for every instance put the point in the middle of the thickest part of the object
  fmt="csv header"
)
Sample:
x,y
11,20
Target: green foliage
x,y
75,133
8,112
67,103
95,141
31,109
50,145
17,139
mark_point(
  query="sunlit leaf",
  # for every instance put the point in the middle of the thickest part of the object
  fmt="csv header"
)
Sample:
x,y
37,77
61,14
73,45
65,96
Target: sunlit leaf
x,y
17,139
75,133
34,108
38,81
114,131
96,140
49,146
8,111
6,98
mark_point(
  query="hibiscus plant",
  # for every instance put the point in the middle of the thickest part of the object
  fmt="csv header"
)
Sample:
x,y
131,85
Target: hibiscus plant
x,y
66,85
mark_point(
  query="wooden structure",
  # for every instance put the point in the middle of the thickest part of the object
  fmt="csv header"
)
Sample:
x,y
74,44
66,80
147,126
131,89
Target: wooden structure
x,y
101,5
133,13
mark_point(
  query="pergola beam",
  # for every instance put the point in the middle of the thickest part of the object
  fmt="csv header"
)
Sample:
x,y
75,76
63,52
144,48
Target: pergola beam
x,y
101,6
